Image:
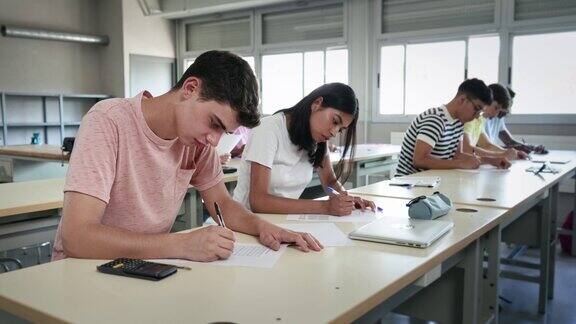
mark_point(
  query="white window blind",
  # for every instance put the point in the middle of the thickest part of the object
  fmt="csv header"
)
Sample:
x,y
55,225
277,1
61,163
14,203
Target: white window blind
x,y
222,34
415,15
301,25
535,9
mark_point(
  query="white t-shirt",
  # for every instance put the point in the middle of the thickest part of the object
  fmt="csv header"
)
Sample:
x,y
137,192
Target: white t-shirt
x,y
270,146
493,127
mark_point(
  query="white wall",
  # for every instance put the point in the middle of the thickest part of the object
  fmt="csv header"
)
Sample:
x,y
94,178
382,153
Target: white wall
x,y
112,56
37,65
152,36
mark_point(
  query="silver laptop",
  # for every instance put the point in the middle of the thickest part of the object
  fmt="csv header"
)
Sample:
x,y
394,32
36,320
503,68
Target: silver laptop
x,y
403,231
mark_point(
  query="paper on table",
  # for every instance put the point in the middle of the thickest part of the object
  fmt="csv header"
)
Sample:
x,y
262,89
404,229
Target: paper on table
x,y
416,181
356,216
244,255
327,233
484,167
227,143
553,161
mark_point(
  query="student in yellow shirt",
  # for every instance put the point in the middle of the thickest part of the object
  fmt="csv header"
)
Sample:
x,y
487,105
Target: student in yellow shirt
x,y
475,138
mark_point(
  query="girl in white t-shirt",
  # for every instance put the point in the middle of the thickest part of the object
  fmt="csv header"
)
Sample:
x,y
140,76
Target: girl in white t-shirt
x,y
285,149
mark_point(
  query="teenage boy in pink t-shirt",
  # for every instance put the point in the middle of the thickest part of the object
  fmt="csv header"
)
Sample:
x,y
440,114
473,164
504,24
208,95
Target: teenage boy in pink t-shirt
x,y
134,159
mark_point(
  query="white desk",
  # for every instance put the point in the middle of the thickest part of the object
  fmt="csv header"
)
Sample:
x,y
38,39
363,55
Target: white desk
x,y
32,162
516,190
339,284
29,212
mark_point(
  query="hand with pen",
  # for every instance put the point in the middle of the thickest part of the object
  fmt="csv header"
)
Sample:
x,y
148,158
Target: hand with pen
x,y
514,154
499,162
273,236
467,161
207,244
342,204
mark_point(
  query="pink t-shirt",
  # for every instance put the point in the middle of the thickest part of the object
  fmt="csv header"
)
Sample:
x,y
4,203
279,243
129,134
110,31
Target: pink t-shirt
x,y
141,177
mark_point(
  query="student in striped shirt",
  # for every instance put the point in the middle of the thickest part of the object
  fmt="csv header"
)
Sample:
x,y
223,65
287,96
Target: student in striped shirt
x,y
434,139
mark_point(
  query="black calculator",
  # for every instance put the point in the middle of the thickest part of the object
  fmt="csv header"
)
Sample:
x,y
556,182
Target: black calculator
x,y
137,268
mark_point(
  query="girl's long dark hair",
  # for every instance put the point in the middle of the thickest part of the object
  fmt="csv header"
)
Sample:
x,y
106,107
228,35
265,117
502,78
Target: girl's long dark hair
x,y
334,95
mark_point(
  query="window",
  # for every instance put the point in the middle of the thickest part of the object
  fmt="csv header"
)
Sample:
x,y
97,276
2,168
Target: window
x,y
415,77
483,58
544,73
281,81
337,66
392,80
287,78
431,82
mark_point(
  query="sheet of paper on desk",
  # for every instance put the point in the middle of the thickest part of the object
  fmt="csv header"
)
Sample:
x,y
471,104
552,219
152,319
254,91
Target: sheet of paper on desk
x,y
227,143
416,181
244,255
484,167
327,233
357,216
553,161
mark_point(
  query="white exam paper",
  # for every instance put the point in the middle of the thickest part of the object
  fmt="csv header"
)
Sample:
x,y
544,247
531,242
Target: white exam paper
x,y
417,181
484,167
227,143
327,233
244,255
357,216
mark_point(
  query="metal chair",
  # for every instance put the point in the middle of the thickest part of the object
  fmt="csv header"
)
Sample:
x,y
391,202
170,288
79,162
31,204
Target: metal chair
x,y
5,261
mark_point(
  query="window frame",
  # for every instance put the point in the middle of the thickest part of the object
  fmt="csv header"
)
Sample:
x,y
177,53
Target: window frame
x,y
505,26
257,48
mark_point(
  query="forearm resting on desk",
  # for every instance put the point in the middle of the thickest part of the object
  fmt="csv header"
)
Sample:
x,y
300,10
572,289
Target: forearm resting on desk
x,y
84,236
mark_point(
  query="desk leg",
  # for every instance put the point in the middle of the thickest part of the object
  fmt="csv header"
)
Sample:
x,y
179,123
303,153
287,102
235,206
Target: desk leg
x,y
553,237
355,176
193,209
491,278
573,251
472,269
545,222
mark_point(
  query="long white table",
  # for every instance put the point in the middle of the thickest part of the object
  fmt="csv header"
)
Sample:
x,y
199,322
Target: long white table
x,y
516,190
340,284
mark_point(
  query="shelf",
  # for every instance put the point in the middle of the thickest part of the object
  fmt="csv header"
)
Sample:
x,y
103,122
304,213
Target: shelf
x,y
56,95
66,103
87,96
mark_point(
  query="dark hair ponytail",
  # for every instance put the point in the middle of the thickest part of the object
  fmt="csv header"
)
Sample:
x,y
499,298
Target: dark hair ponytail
x,y
334,95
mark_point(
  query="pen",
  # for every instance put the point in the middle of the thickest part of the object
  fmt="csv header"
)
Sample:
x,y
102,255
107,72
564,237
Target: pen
x,y
410,185
401,185
331,190
541,169
219,214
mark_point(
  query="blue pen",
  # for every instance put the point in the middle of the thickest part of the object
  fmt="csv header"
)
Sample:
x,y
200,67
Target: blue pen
x,y
336,193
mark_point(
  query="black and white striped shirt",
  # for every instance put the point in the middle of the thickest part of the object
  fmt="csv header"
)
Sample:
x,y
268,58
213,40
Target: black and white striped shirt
x,y
437,128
